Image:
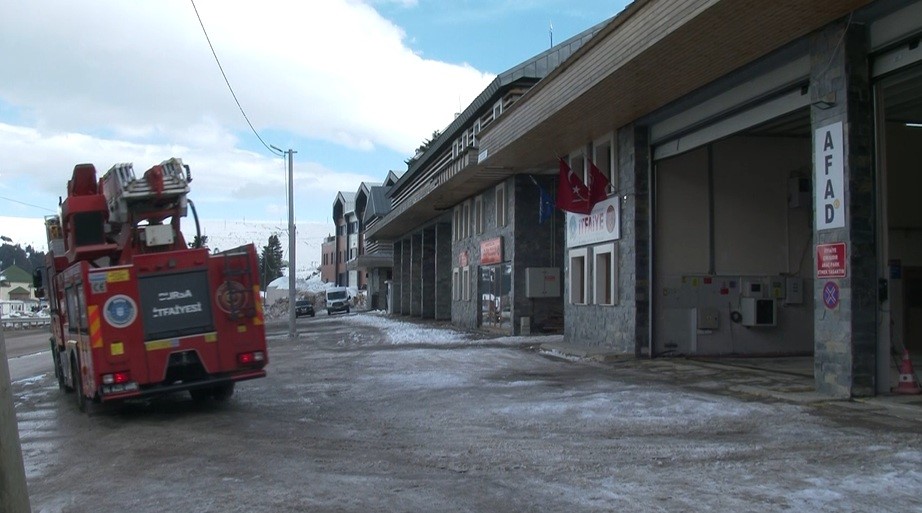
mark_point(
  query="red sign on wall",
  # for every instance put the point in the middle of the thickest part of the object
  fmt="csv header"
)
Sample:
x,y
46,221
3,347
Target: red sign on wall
x,y
831,260
463,259
491,251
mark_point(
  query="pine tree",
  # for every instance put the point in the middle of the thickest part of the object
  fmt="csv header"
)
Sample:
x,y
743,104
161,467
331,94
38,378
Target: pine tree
x,y
270,261
26,259
199,241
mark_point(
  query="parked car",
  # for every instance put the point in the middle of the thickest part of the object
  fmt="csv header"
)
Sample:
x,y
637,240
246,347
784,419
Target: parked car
x,y
304,307
337,300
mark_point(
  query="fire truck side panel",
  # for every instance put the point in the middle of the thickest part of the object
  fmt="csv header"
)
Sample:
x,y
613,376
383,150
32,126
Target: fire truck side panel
x,y
77,362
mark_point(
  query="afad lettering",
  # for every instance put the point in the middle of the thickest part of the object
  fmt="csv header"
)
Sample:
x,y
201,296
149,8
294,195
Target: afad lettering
x,y
829,196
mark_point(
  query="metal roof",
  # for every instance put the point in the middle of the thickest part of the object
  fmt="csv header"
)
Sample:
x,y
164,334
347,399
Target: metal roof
x,y
16,274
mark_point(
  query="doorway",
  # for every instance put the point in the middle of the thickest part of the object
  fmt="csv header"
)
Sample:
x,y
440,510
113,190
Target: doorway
x,y
495,290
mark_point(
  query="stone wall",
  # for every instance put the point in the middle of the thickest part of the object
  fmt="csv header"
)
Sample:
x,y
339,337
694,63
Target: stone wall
x,y
624,327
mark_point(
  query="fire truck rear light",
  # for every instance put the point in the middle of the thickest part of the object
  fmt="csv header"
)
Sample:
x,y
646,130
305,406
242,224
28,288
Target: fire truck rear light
x,y
251,358
116,378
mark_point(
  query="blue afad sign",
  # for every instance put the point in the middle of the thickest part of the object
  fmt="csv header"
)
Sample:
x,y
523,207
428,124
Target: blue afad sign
x,y
120,311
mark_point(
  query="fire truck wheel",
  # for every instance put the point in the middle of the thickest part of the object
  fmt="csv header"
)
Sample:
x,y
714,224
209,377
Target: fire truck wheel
x,y
78,385
223,392
59,371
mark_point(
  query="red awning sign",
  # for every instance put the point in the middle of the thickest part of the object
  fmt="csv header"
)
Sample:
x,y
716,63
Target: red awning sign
x,y
831,260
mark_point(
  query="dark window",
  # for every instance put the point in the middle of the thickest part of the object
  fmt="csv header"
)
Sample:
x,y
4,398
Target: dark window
x,y
88,228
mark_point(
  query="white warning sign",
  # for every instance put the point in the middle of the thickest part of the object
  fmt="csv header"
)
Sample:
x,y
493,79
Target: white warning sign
x,y
829,177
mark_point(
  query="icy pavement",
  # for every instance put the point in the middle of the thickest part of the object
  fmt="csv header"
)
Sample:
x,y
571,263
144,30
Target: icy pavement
x,y
367,413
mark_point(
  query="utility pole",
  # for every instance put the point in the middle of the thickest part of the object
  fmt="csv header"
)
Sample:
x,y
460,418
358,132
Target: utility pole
x,y
292,293
14,496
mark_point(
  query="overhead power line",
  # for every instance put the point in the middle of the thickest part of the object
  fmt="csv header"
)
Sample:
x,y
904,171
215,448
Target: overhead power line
x,y
226,81
26,204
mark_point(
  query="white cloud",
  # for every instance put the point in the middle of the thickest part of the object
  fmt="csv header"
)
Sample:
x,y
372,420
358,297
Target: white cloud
x,y
113,81
332,70
401,3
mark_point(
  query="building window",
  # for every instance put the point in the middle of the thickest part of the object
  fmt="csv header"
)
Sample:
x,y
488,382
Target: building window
x,y
579,277
466,220
466,284
70,299
478,215
604,159
456,224
456,284
605,274
578,165
500,205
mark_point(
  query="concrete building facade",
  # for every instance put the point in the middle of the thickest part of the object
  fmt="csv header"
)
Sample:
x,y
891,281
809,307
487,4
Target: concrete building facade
x,y
761,165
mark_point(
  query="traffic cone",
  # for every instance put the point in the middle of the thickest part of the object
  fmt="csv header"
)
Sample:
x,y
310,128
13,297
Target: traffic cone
x,y
908,383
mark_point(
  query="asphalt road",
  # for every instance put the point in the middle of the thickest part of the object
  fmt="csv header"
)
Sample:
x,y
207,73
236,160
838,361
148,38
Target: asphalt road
x,y
349,420
28,353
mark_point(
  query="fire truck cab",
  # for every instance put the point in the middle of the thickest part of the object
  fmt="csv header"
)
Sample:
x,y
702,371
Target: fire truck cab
x,y
135,311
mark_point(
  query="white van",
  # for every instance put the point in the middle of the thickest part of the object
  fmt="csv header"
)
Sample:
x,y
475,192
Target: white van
x,y
337,300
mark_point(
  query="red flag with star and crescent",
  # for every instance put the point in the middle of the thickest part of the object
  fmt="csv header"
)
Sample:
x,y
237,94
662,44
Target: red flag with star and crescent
x,y
598,185
572,193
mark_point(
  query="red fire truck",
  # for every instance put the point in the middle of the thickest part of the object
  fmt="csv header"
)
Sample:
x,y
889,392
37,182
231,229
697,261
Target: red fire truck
x,y
136,311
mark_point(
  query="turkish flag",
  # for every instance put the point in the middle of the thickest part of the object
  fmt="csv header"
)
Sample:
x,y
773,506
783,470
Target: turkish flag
x,y
598,185
572,193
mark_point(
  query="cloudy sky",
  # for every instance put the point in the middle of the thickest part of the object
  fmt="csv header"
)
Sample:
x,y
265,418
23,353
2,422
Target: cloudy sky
x,y
353,86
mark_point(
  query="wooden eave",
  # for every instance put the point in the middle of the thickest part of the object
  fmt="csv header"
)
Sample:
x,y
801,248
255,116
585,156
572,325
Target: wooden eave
x,y
660,52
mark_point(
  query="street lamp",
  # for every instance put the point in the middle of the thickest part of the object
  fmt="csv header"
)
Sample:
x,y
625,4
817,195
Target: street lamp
x,y
292,296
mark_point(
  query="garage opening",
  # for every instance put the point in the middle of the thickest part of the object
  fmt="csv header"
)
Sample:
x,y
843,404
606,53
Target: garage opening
x,y
899,120
732,238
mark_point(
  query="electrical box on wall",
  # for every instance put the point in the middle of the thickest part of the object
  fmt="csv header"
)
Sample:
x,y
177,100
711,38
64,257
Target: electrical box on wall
x,y
758,312
753,288
708,319
542,282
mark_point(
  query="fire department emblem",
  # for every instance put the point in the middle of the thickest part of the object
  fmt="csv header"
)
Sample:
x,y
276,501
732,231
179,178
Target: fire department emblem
x,y
120,311
231,296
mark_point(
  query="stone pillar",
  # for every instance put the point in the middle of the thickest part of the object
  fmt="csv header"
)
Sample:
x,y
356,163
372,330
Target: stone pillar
x,y
397,278
845,336
442,299
406,281
634,259
427,282
416,274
